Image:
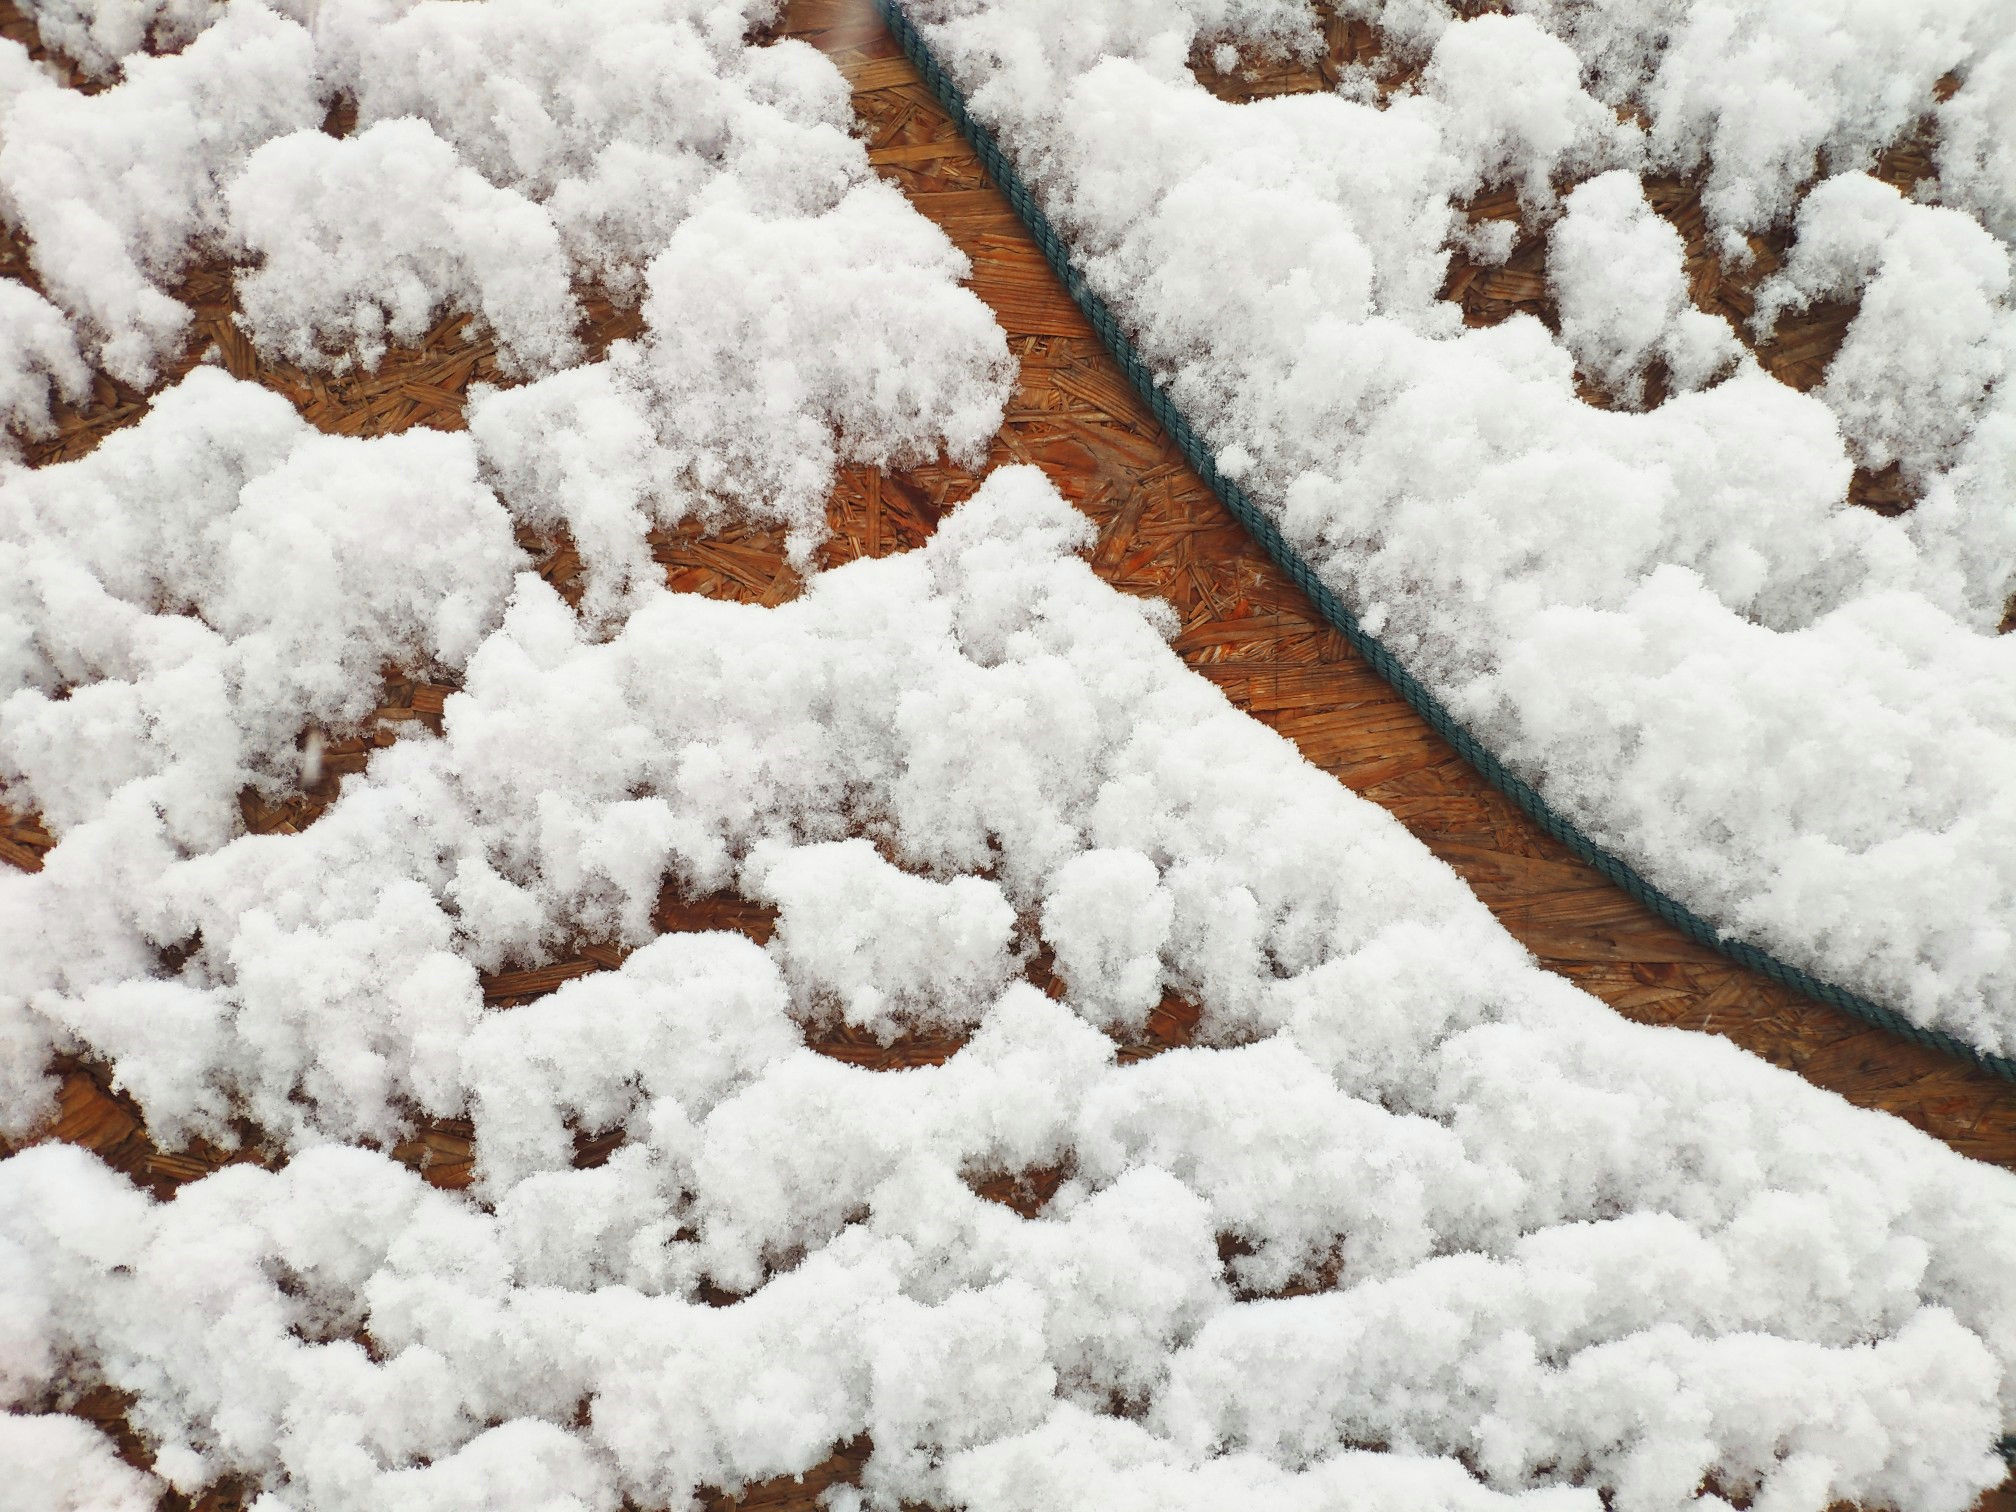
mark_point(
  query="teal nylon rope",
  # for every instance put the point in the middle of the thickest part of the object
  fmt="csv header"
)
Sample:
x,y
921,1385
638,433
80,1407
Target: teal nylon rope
x,y
1332,608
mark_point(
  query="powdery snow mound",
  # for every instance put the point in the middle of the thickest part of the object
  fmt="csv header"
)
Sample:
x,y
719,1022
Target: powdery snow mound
x,y
1788,712
363,240
116,192
63,1464
182,601
1556,1257
798,314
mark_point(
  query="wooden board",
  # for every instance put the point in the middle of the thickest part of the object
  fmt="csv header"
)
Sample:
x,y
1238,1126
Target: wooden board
x,y
1244,626
1248,629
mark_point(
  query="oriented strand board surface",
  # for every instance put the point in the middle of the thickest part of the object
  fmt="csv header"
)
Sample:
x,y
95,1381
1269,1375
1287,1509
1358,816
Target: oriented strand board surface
x,y
1254,634
1161,533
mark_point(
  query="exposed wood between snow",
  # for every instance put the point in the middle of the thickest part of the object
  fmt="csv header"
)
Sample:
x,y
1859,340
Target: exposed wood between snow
x,y
1254,634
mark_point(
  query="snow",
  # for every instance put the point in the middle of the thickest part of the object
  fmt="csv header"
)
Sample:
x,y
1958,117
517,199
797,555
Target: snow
x,y
776,350
62,1464
99,35
1516,110
1934,331
1410,1223
115,191
1620,284
41,360
314,560
1793,715
886,948
371,238
503,154
1106,920
1970,148
1550,1237
1755,93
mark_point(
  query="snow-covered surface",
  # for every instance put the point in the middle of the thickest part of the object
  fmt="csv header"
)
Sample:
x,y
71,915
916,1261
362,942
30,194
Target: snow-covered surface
x,y
1790,713
98,35
1488,1244
1563,1247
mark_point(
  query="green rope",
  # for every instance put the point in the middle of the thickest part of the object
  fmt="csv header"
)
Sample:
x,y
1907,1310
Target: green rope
x,y
1368,645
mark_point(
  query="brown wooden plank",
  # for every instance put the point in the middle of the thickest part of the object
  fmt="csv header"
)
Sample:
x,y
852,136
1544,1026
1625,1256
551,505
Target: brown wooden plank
x,y
1344,718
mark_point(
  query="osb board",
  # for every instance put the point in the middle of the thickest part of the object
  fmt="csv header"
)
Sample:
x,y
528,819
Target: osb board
x,y
1255,635
1796,351
1161,533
